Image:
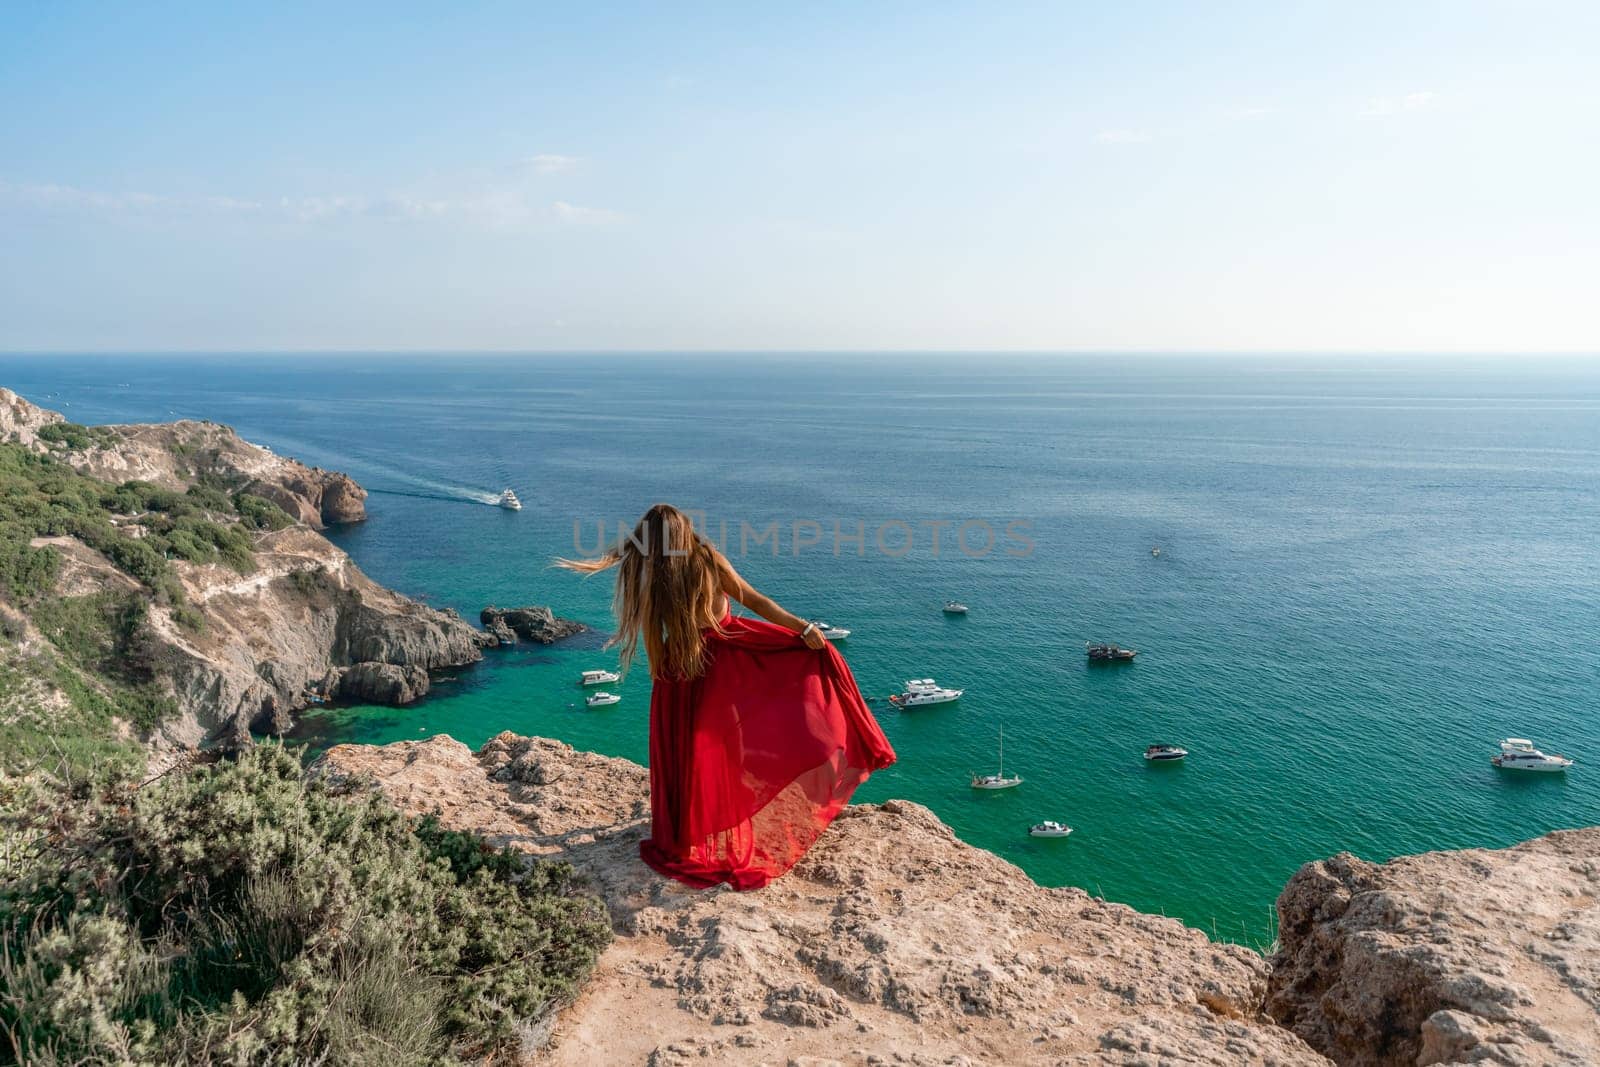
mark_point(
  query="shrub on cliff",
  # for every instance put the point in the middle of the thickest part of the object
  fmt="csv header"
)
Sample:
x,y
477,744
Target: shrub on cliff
x,y
239,914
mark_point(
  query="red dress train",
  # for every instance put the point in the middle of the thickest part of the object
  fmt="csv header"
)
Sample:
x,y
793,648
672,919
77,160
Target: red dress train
x,y
751,761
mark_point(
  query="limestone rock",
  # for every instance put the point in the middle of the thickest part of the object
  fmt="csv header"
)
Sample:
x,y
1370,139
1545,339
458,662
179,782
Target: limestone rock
x,y
1446,957
892,938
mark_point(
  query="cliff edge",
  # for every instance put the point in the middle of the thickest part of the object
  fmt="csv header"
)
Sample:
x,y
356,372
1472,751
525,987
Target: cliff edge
x,y
892,942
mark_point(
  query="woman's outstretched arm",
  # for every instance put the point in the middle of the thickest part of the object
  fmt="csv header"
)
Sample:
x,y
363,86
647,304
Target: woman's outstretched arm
x,y
745,593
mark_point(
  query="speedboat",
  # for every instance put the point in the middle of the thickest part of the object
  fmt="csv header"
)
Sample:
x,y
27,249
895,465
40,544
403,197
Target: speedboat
x,y
1518,754
1164,753
601,699
1049,829
509,501
954,607
599,678
998,780
1108,652
1156,551
832,633
922,691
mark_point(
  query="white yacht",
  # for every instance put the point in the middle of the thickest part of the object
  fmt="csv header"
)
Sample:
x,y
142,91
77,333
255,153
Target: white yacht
x,y
1165,753
1518,754
509,501
998,780
599,677
1049,829
832,633
922,691
954,607
601,699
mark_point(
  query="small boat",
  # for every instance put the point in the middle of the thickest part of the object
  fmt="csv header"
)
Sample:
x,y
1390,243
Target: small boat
x,y
1049,829
923,691
1156,551
954,607
1518,754
599,678
509,501
832,633
1165,753
1108,652
601,699
997,780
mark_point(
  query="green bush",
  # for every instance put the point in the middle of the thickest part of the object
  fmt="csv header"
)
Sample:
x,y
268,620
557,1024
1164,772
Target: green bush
x,y
238,914
260,513
74,436
107,635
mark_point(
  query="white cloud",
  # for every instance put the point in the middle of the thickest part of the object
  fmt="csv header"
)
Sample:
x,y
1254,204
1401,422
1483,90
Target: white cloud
x,y
490,205
1382,106
551,163
574,215
1122,137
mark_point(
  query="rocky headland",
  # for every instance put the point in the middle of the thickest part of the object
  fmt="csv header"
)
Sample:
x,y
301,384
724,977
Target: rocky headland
x,y
243,649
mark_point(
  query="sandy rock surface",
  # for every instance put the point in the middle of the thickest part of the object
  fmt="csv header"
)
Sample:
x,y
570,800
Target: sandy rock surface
x,y
891,943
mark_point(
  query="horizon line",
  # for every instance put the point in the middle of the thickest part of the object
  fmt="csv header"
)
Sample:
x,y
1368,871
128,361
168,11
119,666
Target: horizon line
x,y
527,352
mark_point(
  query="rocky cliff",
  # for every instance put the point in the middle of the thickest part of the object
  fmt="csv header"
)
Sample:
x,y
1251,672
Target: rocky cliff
x,y
243,649
891,943
175,455
1476,956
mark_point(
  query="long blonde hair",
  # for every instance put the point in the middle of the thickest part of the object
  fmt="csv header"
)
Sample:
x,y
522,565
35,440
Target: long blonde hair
x,y
669,589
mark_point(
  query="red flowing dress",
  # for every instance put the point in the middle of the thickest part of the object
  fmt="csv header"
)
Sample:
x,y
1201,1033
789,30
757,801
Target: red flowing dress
x,y
752,760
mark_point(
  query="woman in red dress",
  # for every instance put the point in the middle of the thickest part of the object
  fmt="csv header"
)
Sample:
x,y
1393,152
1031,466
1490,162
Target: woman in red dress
x,y
758,734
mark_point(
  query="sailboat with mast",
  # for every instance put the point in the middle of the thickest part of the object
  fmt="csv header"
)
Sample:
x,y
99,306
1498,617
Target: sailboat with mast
x,y
997,780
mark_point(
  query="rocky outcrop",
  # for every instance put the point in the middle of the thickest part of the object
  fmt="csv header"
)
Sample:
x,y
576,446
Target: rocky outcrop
x,y
892,942
176,454
540,625
21,421
382,683
1477,956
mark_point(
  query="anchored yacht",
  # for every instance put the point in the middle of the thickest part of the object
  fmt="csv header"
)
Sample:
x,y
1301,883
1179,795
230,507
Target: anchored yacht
x,y
954,607
509,501
1108,652
1049,829
599,677
1518,754
832,633
1164,753
922,691
998,780
601,699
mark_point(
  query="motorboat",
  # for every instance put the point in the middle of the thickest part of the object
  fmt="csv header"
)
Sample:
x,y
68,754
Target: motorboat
x,y
1049,829
832,633
601,699
1518,754
923,691
954,607
599,677
509,501
998,780
1156,551
1165,753
1108,652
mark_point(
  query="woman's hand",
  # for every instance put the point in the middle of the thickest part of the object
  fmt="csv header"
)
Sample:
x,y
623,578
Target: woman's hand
x,y
813,637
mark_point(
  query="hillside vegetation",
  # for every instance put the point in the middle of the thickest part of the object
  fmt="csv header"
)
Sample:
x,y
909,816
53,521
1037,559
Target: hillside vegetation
x,y
238,914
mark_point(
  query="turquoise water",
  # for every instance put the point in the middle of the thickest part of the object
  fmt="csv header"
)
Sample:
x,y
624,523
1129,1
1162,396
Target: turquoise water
x,y
1371,570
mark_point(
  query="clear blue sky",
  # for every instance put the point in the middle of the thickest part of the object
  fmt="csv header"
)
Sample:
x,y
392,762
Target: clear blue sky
x,y
1279,176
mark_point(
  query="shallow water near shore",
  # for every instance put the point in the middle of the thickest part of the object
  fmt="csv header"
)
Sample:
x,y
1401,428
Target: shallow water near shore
x,y
1370,570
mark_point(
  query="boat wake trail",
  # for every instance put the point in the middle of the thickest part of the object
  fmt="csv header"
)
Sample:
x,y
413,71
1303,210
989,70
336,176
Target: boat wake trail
x,y
460,494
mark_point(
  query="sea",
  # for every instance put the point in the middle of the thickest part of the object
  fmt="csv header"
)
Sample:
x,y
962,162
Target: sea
x,y
1370,570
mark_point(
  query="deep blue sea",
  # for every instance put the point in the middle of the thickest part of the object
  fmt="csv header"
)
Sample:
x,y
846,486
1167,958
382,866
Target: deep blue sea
x,y
1371,569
